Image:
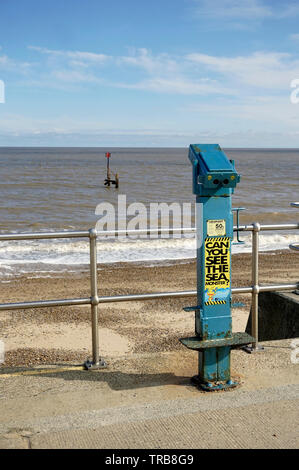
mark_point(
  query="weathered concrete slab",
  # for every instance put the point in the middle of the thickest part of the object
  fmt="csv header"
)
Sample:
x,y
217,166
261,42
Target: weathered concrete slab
x,y
267,426
14,441
146,401
278,316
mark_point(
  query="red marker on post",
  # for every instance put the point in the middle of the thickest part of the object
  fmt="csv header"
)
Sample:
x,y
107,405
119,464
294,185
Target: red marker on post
x,y
108,180
108,155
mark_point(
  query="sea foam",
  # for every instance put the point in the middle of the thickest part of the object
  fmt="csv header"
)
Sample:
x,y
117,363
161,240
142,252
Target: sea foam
x,y
56,255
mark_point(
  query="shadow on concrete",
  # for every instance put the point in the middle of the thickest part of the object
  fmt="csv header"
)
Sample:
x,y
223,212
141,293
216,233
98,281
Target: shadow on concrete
x,y
118,380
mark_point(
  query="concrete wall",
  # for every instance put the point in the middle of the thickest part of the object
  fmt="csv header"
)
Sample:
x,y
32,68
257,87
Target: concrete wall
x,y
278,316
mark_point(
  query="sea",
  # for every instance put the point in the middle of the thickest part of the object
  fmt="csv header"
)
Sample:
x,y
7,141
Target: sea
x,y
50,189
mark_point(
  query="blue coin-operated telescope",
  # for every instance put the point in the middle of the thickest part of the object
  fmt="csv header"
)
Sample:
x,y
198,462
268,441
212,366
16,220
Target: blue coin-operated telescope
x,y
214,181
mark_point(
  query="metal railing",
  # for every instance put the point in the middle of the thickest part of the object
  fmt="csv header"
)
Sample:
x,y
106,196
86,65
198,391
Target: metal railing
x,y
294,246
94,300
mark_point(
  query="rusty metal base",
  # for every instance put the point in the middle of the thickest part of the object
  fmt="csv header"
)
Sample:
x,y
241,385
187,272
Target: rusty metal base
x,y
89,365
235,341
212,386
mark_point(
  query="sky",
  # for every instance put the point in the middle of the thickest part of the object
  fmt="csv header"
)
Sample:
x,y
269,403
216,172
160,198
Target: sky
x,y
160,73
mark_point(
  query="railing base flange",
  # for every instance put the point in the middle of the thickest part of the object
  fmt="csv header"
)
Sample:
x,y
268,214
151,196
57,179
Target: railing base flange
x,y
89,365
213,386
253,349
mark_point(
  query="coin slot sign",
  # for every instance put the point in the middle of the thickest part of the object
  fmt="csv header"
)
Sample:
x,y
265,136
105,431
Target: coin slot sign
x,y
216,228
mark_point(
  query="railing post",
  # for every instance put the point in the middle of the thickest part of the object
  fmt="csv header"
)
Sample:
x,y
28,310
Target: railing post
x,y
255,283
255,289
294,246
97,362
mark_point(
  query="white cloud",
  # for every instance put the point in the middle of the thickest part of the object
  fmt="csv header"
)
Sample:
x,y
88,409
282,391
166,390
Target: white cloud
x,y
294,37
235,9
8,64
242,14
288,10
268,70
160,73
257,111
163,73
74,76
144,59
90,57
192,74
183,86
258,122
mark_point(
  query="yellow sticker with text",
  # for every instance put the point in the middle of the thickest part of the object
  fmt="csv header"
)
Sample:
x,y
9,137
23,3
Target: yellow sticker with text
x,y
217,270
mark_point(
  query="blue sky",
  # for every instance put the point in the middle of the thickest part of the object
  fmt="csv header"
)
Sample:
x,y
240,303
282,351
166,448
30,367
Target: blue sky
x,y
158,73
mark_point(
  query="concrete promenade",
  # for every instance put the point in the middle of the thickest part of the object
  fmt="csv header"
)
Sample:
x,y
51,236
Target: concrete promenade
x,y
146,401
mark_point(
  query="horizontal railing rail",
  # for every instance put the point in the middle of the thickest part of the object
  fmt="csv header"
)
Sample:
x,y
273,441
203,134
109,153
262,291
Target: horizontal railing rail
x,y
44,235
113,233
45,303
94,300
134,297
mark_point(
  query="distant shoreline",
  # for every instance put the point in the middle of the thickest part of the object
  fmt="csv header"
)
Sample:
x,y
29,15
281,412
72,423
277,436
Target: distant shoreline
x,y
141,148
